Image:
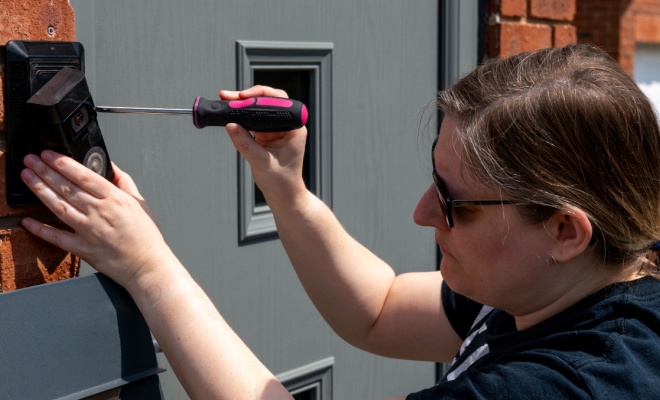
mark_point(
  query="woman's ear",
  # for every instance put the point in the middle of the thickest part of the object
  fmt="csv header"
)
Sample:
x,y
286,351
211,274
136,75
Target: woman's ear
x,y
571,229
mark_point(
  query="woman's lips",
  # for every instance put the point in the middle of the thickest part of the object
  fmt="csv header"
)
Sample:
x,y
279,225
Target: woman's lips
x,y
443,250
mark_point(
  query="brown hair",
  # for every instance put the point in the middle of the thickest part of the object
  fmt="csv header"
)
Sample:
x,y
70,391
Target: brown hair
x,y
565,127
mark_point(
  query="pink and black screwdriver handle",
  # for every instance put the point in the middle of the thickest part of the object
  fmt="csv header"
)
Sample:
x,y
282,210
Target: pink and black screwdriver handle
x,y
260,114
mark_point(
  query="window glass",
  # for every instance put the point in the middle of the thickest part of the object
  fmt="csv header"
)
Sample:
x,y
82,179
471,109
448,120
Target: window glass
x,y
310,394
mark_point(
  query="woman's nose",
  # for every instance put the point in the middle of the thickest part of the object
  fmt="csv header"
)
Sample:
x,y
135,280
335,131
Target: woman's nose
x,y
428,211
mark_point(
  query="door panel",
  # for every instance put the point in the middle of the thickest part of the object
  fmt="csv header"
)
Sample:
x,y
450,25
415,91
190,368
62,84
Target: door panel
x,y
384,69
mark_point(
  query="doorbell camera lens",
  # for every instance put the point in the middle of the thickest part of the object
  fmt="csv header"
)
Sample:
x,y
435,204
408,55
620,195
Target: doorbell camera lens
x,y
80,119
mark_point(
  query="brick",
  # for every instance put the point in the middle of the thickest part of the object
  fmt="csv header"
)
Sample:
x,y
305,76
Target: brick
x,y
26,261
492,41
30,20
558,10
2,98
519,37
597,23
563,34
513,8
647,28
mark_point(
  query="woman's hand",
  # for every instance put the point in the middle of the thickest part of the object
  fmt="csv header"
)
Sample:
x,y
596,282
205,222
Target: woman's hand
x,y
276,158
113,228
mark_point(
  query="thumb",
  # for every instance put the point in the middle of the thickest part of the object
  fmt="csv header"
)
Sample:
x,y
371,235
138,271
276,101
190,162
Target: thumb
x,y
124,182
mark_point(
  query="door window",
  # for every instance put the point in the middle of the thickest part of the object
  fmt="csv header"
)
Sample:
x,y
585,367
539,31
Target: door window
x,y
297,83
310,382
303,70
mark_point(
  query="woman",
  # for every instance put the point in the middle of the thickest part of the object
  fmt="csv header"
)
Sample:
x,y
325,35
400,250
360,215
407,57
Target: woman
x,y
545,203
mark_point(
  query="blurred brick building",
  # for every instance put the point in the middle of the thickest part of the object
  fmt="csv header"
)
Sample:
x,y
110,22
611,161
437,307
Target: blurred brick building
x,y
629,30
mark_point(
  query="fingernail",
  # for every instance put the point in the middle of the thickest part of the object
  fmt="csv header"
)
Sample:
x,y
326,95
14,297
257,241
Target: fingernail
x,y
27,175
47,155
30,160
27,222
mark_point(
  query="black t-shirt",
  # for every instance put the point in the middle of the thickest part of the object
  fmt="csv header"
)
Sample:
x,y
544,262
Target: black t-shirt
x,y
607,346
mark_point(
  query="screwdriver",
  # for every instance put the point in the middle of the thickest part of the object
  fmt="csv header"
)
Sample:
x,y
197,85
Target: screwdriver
x,y
260,114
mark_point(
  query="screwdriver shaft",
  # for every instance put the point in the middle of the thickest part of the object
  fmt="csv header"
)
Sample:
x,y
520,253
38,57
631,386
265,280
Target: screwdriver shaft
x,y
261,114
137,110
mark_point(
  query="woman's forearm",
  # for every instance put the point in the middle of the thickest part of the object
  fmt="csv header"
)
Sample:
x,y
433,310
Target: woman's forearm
x,y
347,282
209,359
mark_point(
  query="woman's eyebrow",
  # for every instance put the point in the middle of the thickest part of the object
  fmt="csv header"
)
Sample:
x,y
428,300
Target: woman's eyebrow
x,y
448,188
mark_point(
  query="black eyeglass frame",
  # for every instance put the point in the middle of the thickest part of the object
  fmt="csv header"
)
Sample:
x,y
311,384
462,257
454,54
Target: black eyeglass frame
x,y
446,203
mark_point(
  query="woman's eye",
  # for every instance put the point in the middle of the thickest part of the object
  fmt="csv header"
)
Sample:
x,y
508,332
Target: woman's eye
x,y
465,212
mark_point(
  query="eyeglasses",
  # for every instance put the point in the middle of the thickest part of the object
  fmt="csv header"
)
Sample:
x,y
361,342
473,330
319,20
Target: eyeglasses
x,y
446,203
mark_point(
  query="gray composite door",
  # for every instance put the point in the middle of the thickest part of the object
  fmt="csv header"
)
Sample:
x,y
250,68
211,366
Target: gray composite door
x,y
365,67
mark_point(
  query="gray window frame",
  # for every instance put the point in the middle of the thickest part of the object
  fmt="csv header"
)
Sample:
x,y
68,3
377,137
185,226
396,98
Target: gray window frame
x,y
256,223
314,375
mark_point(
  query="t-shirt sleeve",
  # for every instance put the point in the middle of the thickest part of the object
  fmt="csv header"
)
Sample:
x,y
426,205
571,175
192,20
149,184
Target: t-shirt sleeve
x,y
460,310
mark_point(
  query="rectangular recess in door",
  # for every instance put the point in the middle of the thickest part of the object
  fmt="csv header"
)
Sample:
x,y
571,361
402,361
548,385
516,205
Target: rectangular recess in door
x,y
310,382
304,71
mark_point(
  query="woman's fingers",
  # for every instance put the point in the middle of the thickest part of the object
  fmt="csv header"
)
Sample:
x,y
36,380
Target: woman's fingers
x,y
66,176
254,91
124,182
62,239
59,205
81,176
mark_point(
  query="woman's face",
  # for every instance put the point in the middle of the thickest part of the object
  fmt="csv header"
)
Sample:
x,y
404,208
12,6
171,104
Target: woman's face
x,y
491,254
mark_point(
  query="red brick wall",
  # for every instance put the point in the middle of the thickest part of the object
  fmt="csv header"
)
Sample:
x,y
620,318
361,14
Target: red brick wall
x,y
514,26
618,25
25,260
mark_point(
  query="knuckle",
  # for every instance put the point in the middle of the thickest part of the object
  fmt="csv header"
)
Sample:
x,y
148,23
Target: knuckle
x,y
120,201
41,169
61,209
54,238
59,163
38,187
113,218
66,189
36,229
243,145
85,178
